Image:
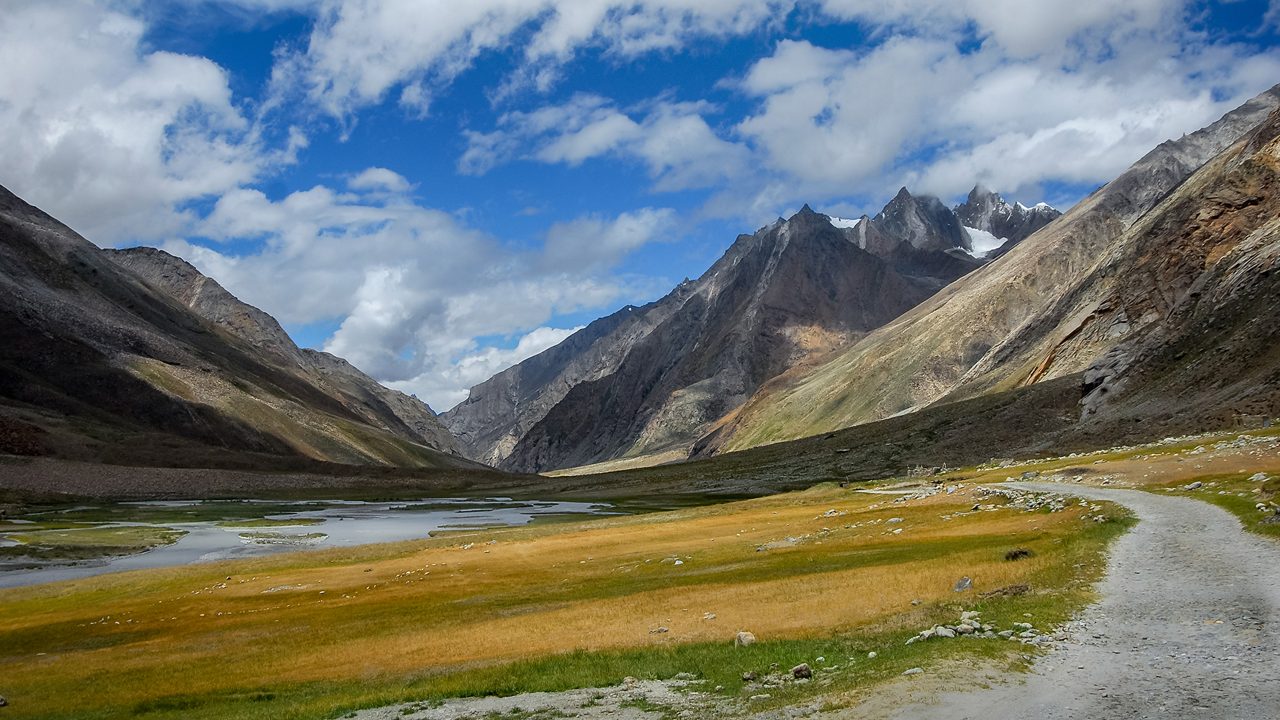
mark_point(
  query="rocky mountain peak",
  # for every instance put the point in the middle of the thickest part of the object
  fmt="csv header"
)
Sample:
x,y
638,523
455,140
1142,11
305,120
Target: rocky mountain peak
x,y
998,224
923,221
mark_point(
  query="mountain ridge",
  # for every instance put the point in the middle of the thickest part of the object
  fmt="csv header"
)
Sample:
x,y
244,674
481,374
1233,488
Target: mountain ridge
x,y
548,411
963,341
98,364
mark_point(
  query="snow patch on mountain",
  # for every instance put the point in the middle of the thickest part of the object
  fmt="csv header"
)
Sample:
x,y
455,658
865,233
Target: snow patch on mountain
x,y
982,241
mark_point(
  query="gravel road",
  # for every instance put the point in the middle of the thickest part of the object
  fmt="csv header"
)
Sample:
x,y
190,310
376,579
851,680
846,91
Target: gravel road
x,y
1188,627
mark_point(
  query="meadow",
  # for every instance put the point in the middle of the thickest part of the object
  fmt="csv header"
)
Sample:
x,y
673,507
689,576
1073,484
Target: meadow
x,y
828,572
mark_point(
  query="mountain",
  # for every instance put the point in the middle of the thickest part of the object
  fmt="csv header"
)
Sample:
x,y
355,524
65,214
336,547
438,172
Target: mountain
x,y
1114,290
645,383
994,226
376,404
135,357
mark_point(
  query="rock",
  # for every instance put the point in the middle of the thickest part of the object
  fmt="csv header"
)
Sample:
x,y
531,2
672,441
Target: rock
x,y
749,676
893,520
3,702
1005,633
820,659
1259,477
743,639
659,630
871,655
963,584
1008,591
763,696
943,632
968,615
1193,486
964,630
913,671
802,671
685,676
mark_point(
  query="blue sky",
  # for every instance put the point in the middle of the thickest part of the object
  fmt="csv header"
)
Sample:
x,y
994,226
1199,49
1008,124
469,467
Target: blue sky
x,y
436,190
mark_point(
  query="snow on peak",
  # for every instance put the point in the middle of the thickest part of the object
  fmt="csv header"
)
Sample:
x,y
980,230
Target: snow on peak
x,y
982,241
845,222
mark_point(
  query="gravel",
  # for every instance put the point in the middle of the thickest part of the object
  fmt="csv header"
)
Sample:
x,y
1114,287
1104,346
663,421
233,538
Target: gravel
x,y
1188,627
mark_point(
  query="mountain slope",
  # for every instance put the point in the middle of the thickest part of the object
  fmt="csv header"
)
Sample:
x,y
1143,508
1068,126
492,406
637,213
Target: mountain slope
x,y
376,404
96,362
645,383
796,288
996,328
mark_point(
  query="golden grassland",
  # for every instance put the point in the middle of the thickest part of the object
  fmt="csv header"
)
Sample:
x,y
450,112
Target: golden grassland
x,y
313,634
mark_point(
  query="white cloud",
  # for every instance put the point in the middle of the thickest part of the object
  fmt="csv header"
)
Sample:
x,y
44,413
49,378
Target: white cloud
x,y
1022,28
449,385
412,286
674,142
920,110
362,50
109,137
376,178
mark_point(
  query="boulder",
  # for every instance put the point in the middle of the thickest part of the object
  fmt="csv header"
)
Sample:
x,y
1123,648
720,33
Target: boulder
x,y
743,639
802,671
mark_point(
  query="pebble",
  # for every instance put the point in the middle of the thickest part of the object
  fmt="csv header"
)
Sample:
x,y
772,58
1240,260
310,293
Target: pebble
x,y
871,655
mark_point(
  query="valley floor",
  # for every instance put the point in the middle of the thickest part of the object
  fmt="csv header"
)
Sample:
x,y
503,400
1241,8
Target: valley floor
x,y
825,577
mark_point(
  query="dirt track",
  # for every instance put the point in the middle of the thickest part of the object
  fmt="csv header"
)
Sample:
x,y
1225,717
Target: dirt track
x,y
1188,627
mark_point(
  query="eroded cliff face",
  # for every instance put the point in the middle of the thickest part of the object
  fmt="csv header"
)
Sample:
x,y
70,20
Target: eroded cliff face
x,y
1023,318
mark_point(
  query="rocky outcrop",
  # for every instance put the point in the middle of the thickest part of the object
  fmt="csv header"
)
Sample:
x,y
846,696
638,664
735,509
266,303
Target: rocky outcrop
x,y
137,358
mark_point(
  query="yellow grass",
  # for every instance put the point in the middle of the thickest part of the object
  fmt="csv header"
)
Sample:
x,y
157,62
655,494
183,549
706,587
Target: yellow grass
x,y
488,597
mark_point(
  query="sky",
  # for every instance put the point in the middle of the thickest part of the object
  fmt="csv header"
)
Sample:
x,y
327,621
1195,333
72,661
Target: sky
x,y
438,189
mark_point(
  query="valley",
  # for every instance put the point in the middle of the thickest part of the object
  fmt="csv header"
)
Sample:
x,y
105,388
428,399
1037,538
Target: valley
x,y
827,572
347,371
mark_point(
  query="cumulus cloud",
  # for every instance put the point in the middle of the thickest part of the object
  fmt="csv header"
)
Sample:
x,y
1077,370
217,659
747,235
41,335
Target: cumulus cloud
x,y
1054,92
672,140
448,384
412,286
109,137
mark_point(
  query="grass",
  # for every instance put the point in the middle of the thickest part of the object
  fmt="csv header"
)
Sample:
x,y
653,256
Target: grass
x,y
543,608
64,542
